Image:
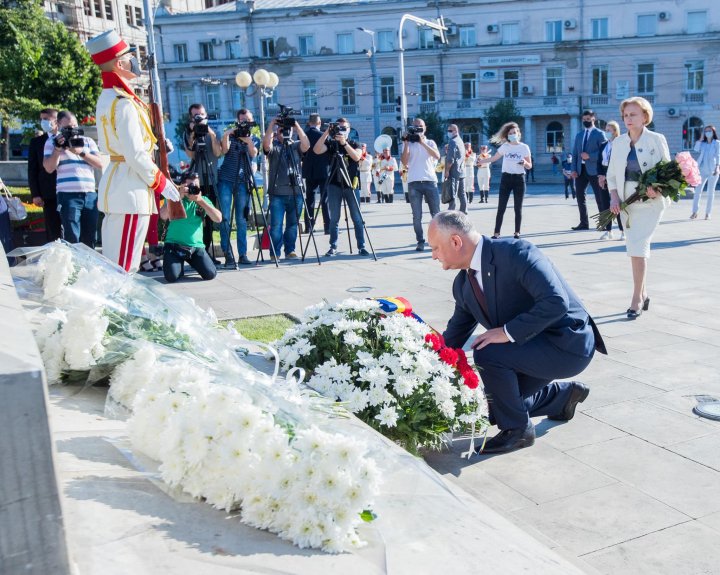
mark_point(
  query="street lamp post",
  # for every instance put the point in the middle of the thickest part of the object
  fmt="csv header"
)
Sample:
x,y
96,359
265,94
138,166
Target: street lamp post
x,y
264,84
439,25
376,88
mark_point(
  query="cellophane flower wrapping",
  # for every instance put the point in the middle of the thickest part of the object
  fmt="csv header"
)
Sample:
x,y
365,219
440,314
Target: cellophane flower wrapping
x,y
390,369
221,430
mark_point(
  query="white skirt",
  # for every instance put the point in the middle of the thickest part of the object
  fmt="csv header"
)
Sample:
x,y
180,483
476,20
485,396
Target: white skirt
x,y
640,221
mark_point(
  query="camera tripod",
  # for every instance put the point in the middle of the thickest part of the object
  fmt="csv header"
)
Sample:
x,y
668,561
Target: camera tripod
x,y
251,187
339,169
298,188
201,165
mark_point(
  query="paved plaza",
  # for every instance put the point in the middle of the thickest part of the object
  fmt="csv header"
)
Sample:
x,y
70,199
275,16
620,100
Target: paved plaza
x,y
632,484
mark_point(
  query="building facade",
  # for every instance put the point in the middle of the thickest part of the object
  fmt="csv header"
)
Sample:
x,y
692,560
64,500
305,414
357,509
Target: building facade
x,y
552,58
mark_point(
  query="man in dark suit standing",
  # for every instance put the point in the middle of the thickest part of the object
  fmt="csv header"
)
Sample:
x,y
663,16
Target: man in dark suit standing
x,y
537,328
586,157
315,173
42,185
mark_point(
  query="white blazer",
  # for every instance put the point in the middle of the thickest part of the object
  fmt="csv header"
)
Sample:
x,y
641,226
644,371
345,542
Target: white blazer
x,y
651,147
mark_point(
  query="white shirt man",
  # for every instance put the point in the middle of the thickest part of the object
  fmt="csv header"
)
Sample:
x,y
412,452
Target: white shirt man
x,y
420,155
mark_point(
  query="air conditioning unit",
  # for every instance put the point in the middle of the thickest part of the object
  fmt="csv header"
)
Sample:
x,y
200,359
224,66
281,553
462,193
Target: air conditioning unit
x,y
663,16
528,90
216,42
493,28
673,112
570,24
452,30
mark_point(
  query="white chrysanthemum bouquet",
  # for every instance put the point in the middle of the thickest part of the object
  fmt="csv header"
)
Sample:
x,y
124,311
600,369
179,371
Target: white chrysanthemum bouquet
x,y
389,368
221,430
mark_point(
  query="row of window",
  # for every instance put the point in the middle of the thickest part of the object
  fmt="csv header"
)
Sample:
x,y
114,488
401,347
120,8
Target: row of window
x,y
386,40
104,9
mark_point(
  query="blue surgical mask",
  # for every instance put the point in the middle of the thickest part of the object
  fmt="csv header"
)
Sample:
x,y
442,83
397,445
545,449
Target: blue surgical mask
x,y
708,135
134,66
609,135
46,126
513,137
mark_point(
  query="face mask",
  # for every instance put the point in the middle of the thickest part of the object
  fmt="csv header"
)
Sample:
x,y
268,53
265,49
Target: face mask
x,y
451,134
609,135
513,137
46,126
134,66
587,124
708,135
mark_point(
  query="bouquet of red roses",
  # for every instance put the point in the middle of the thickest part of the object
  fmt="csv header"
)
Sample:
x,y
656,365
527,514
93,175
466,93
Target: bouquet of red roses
x,y
667,178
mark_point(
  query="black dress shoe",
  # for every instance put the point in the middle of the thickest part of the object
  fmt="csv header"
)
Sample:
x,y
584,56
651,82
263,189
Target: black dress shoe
x,y
581,227
646,304
634,313
578,394
510,440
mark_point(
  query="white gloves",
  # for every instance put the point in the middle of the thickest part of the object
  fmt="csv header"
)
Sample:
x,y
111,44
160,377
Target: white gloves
x,y
170,192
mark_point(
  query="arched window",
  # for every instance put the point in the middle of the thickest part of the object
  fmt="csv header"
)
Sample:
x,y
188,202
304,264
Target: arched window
x,y
692,132
471,133
554,137
392,132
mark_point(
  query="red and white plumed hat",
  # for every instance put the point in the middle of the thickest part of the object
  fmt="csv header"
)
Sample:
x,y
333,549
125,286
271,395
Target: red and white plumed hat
x,y
106,46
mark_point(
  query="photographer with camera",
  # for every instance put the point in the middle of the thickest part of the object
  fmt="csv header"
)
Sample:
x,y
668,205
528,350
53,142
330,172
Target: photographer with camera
x,y
203,148
343,157
420,156
75,158
184,239
285,181
239,148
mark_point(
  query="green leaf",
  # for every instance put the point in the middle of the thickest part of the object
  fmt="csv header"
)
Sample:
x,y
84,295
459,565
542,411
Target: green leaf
x,y
368,516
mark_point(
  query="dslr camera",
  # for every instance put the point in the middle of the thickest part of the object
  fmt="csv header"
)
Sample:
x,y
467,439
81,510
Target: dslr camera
x,y
72,138
243,129
193,190
200,128
334,129
413,134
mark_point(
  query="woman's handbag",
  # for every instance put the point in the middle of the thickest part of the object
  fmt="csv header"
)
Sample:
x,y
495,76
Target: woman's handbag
x,y
16,210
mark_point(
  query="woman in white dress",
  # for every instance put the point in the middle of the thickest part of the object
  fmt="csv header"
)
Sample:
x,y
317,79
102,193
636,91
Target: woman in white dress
x,y
633,153
483,174
470,157
708,161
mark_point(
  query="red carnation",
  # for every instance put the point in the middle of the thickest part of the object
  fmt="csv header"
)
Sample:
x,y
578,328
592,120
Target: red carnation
x,y
470,378
434,340
449,356
462,363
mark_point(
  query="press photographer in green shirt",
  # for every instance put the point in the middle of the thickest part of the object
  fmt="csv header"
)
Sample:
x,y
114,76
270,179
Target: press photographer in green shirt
x,y
184,239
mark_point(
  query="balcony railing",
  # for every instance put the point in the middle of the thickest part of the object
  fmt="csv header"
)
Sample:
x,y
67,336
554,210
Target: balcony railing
x,y
550,101
428,107
599,100
387,108
307,110
462,104
696,97
348,110
649,97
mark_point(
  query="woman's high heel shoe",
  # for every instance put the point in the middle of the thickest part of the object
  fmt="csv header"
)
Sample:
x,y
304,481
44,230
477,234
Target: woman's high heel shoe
x,y
634,313
516,235
496,236
693,216
646,304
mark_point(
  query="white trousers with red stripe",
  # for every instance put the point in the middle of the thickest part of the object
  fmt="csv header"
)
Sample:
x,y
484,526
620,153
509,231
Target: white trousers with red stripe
x,y
123,238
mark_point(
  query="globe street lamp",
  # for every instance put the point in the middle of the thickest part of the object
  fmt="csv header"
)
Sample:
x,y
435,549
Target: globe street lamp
x,y
376,89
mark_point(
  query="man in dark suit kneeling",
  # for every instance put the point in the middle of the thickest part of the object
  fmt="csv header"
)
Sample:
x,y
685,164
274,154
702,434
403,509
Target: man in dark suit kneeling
x,y
537,328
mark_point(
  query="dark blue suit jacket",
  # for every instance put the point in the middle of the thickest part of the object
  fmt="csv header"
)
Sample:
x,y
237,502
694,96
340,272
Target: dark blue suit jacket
x,y
314,167
525,293
595,140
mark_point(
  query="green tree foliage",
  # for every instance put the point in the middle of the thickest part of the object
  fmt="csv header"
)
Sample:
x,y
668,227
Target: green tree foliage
x,y
41,64
502,112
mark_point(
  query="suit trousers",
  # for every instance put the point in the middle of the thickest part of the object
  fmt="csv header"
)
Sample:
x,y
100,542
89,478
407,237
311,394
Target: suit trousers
x,y
53,224
518,379
581,184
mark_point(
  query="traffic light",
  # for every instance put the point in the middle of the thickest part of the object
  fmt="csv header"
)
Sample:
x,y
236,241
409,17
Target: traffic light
x,y
398,108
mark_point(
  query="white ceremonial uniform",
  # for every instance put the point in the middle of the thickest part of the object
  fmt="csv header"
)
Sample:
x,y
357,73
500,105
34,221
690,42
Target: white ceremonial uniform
x,y
387,168
470,171
365,169
125,194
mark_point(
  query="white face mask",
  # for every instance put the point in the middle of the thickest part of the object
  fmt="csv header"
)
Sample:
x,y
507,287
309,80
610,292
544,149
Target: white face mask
x,y
46,126
609,135
513,137
708,135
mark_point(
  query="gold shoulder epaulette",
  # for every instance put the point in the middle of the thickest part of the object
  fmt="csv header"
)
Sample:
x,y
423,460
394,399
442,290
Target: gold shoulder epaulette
x,y
122,93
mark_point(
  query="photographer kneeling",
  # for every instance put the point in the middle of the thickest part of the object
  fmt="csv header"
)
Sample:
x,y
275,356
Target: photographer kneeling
x,y
184,239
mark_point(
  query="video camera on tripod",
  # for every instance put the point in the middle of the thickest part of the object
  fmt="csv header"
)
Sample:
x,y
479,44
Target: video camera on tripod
x,y
285,119
243,129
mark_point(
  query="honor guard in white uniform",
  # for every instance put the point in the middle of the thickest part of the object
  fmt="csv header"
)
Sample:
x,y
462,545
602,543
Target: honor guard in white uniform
x,y
365,169
127,188
386,168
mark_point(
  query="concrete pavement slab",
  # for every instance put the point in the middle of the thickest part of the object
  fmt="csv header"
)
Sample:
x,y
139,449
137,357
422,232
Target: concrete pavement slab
x,y
704,450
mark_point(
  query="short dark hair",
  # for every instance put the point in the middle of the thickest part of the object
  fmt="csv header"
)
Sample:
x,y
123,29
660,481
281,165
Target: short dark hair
x,y
341,120
64,114
49,111
191,106
588,113
242,111
313,118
